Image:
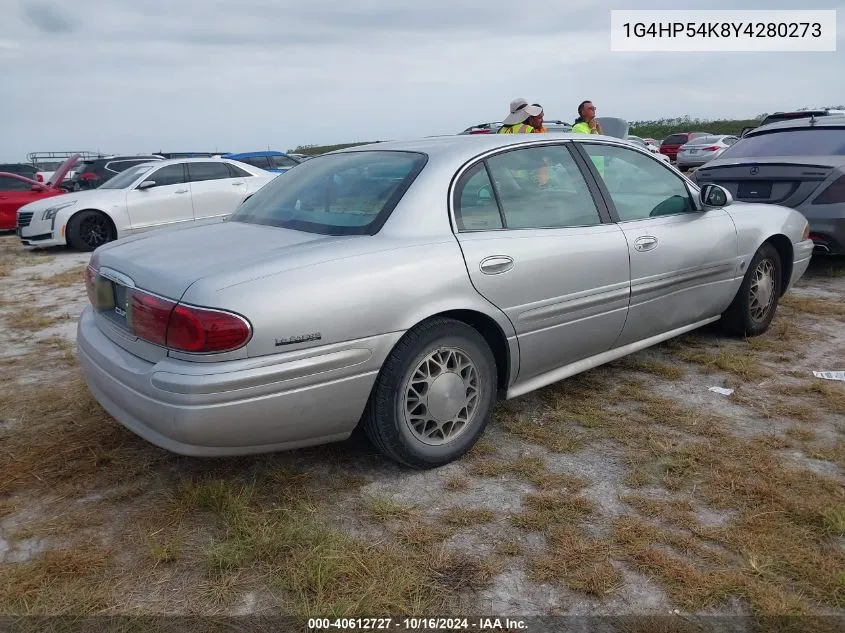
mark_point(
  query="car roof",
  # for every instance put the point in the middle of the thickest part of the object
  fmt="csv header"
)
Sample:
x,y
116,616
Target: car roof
x,y
464,147
826,121
255,154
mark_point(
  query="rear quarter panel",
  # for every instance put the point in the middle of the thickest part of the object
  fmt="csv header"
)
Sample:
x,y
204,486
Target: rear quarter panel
x,y
757,222
350,297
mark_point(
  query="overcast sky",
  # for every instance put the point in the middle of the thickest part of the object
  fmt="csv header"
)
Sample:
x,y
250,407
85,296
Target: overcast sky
x,y
240,75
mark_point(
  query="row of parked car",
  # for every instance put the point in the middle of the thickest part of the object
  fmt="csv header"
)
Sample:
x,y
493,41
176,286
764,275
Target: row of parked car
x,y
795,159
22,184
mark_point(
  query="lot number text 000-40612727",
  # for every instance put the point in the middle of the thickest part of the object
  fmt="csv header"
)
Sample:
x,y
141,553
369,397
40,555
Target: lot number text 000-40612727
x,y
722,31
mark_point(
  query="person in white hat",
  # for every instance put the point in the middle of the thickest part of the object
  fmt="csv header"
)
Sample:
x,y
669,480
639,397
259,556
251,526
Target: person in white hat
x,y
523,118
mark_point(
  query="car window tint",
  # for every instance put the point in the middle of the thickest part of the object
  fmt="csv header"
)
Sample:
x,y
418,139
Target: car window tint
x,y
13,184
806,142
640,186
349,193
675,139
282,162
257,161
237,172
542,187
169,175
475,204
208,171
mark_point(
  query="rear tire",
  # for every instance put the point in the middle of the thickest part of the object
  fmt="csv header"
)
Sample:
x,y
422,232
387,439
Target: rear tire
x,y
434,395
88,230
756,301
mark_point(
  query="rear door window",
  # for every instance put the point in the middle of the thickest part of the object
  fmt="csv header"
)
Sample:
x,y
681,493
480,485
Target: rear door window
x,y
208,171
675,139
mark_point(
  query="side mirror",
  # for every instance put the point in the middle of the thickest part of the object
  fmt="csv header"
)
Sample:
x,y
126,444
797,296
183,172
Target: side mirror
x,y
147,184
714,196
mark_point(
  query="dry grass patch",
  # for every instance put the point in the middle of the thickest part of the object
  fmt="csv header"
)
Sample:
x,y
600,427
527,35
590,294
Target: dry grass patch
x,y
576,561
456,483
74,581
71,277
530,468
65,441
735,360
815,306
669,371
381,509
509,548
787,561
547,510
830,394
463,517
322,572
33,319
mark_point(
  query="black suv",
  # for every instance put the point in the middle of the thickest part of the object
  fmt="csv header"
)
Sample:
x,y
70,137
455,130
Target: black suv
x,y
91,173
21,169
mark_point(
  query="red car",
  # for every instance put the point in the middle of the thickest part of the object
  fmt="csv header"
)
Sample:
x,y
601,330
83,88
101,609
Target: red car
x,y
672,143
17,191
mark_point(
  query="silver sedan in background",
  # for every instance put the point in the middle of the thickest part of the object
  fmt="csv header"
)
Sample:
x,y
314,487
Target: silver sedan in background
x,y
406,286
703,148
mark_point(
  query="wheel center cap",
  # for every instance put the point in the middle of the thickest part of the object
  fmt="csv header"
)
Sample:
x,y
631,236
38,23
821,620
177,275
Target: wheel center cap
x,y
764,290
446,396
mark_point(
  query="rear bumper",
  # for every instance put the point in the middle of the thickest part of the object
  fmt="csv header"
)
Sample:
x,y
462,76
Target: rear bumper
x,y
231,407
827,227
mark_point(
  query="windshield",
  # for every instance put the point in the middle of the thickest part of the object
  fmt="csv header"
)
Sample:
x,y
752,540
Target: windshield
x,y
805,142
350,193
126,178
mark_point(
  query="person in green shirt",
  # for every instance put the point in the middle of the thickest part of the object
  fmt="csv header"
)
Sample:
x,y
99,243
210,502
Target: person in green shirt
x,y
586,122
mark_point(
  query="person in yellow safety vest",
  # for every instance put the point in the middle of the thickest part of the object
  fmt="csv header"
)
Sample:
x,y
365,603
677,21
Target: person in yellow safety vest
x,y
586,123
526,119
523,118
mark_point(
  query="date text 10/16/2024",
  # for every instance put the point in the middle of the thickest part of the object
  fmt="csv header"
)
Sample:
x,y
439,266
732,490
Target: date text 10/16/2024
x,y
417,624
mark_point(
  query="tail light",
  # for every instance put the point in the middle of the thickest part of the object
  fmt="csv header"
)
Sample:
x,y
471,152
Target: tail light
x,y
834,193
168,323
40,177
185,328
712,148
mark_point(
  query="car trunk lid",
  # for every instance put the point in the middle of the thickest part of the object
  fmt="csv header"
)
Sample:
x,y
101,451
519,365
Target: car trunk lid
x,y
778,180
168,262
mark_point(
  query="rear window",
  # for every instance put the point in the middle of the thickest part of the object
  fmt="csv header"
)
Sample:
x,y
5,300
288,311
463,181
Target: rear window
x,y
806,142
351,193
675,139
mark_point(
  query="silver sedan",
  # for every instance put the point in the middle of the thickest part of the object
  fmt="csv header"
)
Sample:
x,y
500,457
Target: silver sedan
x,y
406,286
702,149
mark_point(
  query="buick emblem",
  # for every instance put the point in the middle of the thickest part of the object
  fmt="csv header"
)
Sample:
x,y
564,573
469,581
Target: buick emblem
x,y
755,171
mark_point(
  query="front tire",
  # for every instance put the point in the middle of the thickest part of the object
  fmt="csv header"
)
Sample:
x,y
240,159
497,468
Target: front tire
x,y
88,230
434,395
756,301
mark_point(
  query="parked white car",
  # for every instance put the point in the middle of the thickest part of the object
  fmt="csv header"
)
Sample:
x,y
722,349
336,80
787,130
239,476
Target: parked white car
x,y
702,149
159,194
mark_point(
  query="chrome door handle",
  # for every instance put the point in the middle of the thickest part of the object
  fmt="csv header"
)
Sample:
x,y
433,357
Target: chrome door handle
x,y
496,264
645,243
181,191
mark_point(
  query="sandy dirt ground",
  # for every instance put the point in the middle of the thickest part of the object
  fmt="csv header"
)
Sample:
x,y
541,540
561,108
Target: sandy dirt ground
x,y
629,489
